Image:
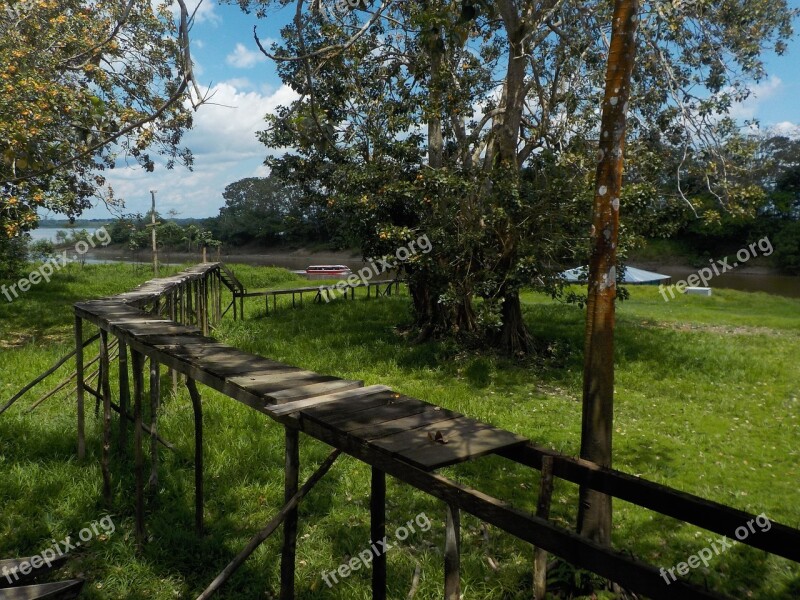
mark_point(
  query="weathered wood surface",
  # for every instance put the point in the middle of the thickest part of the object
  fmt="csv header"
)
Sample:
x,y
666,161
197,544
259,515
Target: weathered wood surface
x,y
61,590
416,432
11,575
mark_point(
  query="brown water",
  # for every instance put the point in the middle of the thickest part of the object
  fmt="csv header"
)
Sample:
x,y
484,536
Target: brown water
x,y
746,281
780,285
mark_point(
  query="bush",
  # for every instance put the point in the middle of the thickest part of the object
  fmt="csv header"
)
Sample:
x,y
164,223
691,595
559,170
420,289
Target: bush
x,y
13,256
787,248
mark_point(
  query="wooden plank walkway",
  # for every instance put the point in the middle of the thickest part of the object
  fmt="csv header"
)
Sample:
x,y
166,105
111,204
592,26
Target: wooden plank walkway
x,y
322,293
411,430
397,435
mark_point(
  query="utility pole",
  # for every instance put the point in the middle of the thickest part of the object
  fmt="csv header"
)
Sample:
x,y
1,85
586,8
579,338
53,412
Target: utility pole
x,y
153,233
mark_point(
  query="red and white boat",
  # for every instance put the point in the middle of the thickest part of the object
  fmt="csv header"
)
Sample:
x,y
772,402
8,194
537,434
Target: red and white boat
x,y
334,270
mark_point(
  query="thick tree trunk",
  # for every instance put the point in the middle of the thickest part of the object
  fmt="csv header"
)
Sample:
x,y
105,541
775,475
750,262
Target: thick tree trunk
x,y
514,337
594,513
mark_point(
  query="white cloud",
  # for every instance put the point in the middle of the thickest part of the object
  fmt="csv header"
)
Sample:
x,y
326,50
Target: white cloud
x,y
242,58
749,109
240,83
205,11
785,128
225,150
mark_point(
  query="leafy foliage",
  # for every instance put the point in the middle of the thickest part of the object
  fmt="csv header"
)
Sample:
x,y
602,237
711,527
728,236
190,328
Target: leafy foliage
x,y
83,86
477,124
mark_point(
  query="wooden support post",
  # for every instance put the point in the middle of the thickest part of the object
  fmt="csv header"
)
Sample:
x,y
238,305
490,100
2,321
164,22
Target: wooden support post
x,y
262,535
105,390
189,302
80,391
293,305
542,511
203,283
124,398
155,398
173,317
137,362
198,305
233,302
452,554
275,301
377,510
197,406
291,482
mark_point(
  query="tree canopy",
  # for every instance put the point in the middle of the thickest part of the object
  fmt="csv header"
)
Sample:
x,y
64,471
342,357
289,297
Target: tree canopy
x,y
84,87
478,122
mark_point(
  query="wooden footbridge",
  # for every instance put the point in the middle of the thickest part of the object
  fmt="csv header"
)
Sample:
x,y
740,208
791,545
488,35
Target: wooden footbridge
x,y
406,438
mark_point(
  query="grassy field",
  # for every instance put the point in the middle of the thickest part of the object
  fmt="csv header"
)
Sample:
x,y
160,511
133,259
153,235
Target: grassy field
x,y
707,401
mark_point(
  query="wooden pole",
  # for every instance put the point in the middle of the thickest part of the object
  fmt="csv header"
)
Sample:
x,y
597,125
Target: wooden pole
x,y
155,397
289,549
173,317
452,554
80,391
153,226
105,389
377,511
137,361
262,535
542,511
124,398
197,406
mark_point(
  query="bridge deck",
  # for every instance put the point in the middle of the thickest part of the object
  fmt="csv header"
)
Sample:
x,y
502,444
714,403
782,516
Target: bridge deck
x,y
397,435
407,429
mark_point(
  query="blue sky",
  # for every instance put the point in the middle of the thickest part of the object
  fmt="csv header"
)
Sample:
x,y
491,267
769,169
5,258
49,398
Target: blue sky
x,y
246,87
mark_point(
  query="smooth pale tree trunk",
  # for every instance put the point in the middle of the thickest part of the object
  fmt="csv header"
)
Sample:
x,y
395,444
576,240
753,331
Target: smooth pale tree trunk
x,y
594,513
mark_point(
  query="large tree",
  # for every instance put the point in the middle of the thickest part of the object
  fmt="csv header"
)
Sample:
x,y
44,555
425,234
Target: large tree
x,y
85,85
427,115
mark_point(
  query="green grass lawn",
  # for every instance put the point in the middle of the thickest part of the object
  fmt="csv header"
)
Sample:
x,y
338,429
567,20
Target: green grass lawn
x,y
707,401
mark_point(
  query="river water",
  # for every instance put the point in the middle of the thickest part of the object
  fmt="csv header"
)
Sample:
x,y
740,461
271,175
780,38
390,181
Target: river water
x,y
747,281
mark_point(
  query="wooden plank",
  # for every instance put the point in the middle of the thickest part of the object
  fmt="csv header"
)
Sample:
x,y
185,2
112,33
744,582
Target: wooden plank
x,y
433,414
61,590
349,406
265,384
315,389
451,430
582,552
476,444
379,414
11,575
351,395
713,516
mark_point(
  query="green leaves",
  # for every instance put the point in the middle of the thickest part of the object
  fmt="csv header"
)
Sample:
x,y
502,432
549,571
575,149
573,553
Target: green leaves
x,y
80,87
